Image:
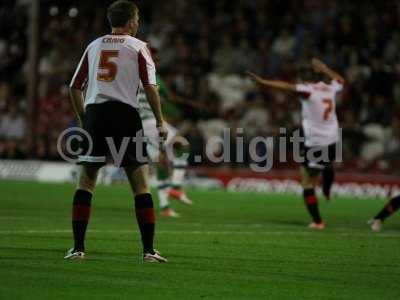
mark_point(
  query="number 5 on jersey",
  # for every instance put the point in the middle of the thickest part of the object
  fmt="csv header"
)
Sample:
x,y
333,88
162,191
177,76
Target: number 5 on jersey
x,y
107,66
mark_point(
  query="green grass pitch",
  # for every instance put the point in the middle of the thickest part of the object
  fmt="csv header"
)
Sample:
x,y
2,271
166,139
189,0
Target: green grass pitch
x,y
227,246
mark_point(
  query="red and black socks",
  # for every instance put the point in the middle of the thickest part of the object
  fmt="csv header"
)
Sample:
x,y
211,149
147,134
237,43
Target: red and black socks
x,y
389,209
311,202
80,217
146,220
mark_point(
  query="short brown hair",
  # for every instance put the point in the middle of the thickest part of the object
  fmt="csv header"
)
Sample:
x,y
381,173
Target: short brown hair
x,y
120,12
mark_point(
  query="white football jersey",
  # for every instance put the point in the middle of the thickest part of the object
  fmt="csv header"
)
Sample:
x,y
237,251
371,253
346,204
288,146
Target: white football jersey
x,y
318,103
112,68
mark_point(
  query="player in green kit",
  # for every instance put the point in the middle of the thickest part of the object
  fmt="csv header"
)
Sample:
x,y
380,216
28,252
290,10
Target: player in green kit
x,y
170,170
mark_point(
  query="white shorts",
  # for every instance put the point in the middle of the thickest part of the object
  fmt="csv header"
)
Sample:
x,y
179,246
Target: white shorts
x,y
151,132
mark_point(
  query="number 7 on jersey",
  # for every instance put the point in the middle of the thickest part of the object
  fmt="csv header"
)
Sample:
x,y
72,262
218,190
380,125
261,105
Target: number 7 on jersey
x,y
328,103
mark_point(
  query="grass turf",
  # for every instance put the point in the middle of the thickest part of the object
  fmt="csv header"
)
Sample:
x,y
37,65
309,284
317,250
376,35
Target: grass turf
x,y
227,246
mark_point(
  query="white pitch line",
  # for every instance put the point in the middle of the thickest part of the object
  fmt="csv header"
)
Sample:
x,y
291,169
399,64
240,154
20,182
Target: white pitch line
x,y
200,232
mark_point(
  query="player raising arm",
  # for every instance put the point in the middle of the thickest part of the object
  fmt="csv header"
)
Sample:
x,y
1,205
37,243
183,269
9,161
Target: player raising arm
x,y
317,65
320,128
275,84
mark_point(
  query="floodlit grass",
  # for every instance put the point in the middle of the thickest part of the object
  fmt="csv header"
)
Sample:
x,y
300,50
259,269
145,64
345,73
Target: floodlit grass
x,y
227,246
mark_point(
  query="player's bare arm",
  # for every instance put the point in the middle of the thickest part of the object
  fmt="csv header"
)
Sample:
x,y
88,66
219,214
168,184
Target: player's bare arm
x,y
320,67
154,100
77,103
275,84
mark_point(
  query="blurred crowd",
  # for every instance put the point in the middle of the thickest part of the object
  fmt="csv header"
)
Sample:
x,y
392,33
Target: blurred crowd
x,y
204,49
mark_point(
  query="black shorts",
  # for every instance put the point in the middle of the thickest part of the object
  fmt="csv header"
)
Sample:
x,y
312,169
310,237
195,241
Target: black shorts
x,y
317,158
111,127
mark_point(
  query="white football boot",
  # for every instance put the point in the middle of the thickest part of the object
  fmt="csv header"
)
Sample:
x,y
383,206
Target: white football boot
x,y
72,254
376,225
154,258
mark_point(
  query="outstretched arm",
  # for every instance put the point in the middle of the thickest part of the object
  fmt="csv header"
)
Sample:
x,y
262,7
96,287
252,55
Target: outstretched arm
x,y
321,67
275,84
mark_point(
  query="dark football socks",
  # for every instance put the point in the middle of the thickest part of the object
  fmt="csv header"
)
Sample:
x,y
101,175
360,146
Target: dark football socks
x,y
312,204
146,220
328,176
80,217
389,209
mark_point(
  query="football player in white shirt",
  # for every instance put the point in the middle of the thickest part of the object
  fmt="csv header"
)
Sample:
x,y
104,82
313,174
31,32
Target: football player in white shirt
x,y
110,72
320,128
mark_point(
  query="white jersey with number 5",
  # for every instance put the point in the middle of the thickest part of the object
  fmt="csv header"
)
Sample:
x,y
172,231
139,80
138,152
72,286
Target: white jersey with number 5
x,y
112,68
318,103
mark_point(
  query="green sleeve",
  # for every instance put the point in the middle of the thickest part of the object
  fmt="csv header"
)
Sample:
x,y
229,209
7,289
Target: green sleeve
x,y
162,88
169,108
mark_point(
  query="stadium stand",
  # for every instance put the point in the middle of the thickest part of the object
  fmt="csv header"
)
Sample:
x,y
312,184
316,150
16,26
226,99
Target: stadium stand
x,y
205,49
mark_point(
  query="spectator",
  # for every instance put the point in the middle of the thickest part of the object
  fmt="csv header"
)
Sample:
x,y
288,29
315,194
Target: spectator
x,y
12,125
284,44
